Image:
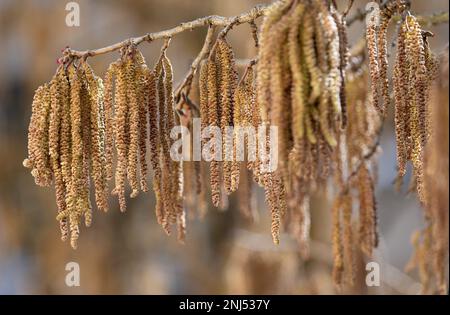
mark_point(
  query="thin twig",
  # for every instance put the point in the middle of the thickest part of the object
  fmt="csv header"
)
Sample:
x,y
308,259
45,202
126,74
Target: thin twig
x,y
187,81
215,20
347,10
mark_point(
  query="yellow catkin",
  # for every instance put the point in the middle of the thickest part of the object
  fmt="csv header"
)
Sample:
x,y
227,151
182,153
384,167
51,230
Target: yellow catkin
x,y
298,91
120,136
55,150
386,15
65,138
277,88
401,105
371,39
239,122
203,86
418,81
86,108
78,179
228,82
38,156
97,136
213,121
109,114
264,56
311,61
133,122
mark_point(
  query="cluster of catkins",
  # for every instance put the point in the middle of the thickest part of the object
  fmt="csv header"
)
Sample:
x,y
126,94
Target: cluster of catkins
x,y
227,101
66,143
301,74
327,115
415,69
76,123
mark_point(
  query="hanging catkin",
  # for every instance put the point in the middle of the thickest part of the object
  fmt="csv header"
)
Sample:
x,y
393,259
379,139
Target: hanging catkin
x,y
133,125
143,75
368,237
156,92
109,114
120,135
176,167
227,86
385,18
97,153
401,103
54,150
38,138
371,39
213,121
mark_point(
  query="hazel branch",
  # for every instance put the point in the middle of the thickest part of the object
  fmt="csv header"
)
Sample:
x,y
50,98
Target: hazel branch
x,y
214,20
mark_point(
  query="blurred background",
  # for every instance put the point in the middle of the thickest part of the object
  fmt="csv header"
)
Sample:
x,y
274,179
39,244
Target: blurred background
x,y
129,253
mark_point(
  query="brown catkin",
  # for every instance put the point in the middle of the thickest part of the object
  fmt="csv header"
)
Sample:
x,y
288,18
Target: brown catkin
x,y
338,261
204,105
368,236
86,108
228,82
401,102
154,91
176,167
347,239
109,116
213,121
386,15
165,207
272,201
144,74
